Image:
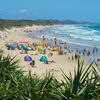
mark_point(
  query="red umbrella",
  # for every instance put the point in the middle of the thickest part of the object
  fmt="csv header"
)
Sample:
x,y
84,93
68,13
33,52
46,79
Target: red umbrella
x,y
22,41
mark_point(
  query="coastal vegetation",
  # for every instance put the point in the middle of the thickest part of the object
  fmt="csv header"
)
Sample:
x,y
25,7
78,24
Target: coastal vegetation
x,y
14,85
21,23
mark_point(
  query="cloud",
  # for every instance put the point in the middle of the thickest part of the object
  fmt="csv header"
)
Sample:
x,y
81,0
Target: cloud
x,y
23,11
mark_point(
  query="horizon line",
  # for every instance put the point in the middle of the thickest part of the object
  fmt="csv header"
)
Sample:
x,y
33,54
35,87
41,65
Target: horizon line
x,y
48,20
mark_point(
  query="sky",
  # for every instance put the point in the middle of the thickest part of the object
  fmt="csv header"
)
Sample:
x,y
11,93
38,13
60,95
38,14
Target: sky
x,y
78,10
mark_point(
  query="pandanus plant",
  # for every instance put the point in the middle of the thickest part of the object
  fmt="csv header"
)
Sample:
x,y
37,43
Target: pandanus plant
x,y
8,66
14,85
84,85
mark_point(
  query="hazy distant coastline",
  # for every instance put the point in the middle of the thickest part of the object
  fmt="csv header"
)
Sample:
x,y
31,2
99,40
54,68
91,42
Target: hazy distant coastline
x,y
21,23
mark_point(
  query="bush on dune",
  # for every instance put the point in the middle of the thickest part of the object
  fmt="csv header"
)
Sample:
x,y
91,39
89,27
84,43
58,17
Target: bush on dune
x,y
84,85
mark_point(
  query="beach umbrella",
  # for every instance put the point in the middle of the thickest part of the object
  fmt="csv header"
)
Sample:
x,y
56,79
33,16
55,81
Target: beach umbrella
x,y
26,49
21,45
10,46
23,41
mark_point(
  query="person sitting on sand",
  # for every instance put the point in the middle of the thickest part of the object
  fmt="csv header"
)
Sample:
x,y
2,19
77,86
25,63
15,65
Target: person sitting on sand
x,y
46,62
98,60
50,54
52,61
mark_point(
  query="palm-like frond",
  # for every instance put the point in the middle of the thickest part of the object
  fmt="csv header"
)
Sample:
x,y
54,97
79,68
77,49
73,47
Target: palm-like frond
x,y
14,85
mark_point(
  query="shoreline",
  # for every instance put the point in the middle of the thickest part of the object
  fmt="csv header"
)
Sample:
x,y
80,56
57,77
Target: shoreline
x,y
74,46
68,41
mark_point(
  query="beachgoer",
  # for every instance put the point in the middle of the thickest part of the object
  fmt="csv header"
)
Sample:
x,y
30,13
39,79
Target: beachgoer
x,y
44,51
83,53
96,50
55,41
98,59
88,53
26,51
50,54
93,51
76,56
72,57
77,50
32,63
65,46
46,62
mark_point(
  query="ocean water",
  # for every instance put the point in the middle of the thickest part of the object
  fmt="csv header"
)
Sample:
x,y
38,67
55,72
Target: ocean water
x,y
77,36
88,35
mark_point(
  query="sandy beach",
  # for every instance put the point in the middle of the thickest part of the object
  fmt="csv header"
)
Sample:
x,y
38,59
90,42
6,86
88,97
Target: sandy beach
x,y
60,61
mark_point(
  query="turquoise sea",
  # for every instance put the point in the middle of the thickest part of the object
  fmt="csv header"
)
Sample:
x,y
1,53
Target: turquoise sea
x,y
76,36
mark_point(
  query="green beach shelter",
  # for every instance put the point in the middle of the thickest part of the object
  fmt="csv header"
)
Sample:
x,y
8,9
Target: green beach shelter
x,y
43,59
26,48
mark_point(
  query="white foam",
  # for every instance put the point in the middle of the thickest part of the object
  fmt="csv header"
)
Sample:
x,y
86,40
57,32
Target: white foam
x,y
74,33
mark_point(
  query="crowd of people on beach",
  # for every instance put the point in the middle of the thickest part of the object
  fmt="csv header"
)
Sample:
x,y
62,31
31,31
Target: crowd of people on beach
x,y
43,47
86,53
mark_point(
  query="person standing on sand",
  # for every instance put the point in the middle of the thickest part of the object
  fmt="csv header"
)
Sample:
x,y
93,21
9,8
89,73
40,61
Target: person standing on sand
x,y
76,56
43,40
50,54
96,50
32,63
88,53
93,51
72,57
55,41
44,51
77,50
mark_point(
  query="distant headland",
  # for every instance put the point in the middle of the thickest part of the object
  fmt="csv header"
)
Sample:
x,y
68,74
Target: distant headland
x,y
4,23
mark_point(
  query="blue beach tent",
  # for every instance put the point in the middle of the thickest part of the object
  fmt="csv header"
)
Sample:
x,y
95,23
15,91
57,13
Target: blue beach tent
x,y
28,58
10,47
